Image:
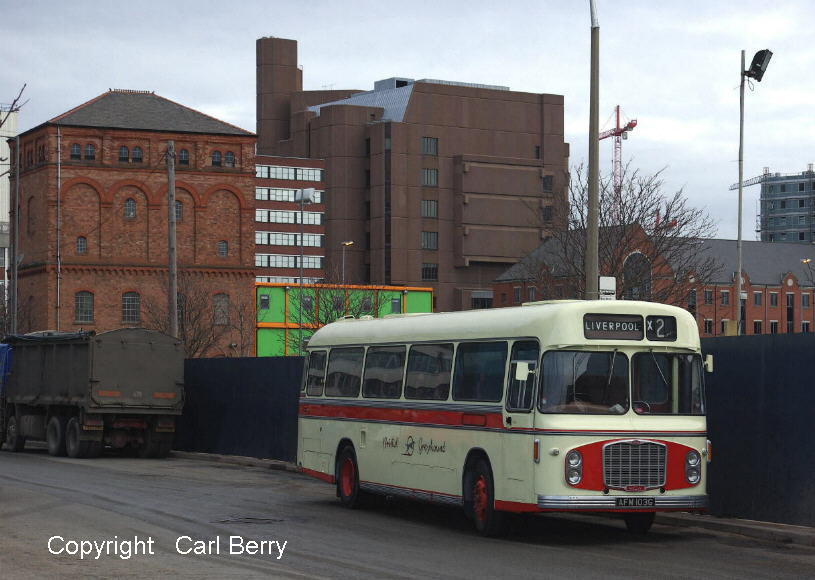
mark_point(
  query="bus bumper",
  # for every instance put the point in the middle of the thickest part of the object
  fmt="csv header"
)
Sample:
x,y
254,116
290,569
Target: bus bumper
x,y
610,503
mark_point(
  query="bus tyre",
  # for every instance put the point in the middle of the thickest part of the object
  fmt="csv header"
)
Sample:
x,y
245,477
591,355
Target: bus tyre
x,y
14,440
348,479
481,500
639,523
55,436
74,445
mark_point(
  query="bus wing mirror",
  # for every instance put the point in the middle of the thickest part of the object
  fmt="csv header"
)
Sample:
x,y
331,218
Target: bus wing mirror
x,y
521,371
709,363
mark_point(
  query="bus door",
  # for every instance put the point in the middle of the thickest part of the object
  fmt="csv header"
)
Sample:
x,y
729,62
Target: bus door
x,y
519,418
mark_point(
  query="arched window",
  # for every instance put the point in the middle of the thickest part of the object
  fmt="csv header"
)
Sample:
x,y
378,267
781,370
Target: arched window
x,y
90,152
637,277
229,159
223,248
76,151
82,245
137,155
183,157
216,158
124,154
179,211
83,307
220,309
130,208
131,307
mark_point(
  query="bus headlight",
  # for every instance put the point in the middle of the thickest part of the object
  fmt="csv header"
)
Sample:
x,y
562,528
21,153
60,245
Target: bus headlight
x,y
693,470
574,467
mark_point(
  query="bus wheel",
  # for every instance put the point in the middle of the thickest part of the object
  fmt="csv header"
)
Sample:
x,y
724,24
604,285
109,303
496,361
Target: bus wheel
x,y
348,478
639,523
488,521
55,436
14,440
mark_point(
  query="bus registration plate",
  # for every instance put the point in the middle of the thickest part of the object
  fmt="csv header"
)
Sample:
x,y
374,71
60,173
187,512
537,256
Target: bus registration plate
x,y
635,502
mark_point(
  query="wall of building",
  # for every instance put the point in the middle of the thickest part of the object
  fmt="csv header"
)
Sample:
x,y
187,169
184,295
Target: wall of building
x,y
122,251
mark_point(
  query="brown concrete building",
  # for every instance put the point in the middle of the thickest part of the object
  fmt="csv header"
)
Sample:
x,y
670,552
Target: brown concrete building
x,y
437,183
92,215
282,223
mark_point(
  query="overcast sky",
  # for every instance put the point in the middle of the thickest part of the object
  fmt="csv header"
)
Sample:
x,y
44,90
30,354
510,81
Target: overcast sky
x,y
674,66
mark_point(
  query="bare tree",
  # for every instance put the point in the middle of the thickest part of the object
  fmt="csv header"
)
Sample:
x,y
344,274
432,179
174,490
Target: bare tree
x,y
649,240
206,321
322,304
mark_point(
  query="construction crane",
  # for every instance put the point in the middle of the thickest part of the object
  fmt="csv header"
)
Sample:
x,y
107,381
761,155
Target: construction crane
x,y
752,180
619,133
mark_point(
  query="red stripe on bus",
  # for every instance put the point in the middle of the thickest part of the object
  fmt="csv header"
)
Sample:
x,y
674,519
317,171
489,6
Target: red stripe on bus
x,y
427,417
515,506
318,475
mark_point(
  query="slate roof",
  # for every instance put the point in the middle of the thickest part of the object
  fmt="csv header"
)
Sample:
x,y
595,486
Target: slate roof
x,y
763,262
143,110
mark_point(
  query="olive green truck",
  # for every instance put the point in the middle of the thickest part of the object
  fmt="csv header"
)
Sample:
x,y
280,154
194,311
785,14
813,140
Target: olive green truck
x,y
80,392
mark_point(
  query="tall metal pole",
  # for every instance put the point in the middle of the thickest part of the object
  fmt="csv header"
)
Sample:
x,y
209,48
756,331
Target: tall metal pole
x,y
172,271
59,226
592,227
741,186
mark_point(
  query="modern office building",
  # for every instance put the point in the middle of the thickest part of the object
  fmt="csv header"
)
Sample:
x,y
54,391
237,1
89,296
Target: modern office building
x,y
93,221
787,206
437,183
289,235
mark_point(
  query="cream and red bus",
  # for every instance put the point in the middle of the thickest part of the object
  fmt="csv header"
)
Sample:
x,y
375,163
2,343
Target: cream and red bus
x,y
581,406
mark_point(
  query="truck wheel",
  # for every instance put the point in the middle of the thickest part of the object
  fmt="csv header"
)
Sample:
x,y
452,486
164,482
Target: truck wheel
x,y
480,493
74,445
14,440
55,436
150,446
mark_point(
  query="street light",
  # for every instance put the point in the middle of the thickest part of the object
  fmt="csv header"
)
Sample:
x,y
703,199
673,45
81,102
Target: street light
x,y
756,71
345,245
304,196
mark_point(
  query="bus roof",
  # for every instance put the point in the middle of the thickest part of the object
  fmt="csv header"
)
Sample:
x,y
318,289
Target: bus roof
x,y
556,323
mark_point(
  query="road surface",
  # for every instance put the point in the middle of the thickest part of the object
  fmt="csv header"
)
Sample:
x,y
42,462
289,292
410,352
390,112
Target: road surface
x,y
284,525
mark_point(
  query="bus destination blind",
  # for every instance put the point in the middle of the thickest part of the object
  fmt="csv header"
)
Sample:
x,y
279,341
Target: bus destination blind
x,y
613,326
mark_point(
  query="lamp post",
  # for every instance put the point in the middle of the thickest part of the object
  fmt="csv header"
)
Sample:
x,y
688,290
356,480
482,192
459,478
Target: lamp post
x,y
345,245
592,259
304,196
756,71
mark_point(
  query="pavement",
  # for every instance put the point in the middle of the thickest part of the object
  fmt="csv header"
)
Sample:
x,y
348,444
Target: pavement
x,y
767,531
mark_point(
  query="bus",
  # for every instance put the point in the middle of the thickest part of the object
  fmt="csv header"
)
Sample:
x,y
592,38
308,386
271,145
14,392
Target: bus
x,y
557,406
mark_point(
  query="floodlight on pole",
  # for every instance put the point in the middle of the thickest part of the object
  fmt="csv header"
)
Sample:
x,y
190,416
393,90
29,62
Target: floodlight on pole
x,y
756,71
304,196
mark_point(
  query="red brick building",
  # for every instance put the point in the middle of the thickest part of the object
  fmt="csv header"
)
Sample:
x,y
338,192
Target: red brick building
x,y
92,219
777,286
282,225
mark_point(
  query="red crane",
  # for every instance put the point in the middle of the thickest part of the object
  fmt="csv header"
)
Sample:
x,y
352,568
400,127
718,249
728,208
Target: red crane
x,y
619,133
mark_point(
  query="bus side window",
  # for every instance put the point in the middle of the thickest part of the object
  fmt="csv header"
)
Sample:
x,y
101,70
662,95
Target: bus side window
x,y
428,372
316,373
384,366
520,392
344,372
479,371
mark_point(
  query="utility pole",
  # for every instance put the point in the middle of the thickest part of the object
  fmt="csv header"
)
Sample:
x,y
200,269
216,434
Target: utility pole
x,y
172,291
592,227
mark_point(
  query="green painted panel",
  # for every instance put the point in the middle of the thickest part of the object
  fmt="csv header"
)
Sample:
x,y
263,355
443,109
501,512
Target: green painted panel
x,y
385,303
270,342
419,301
276,304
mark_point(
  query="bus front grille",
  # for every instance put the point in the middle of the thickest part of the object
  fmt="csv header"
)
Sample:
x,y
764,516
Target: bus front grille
x,y
634,465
